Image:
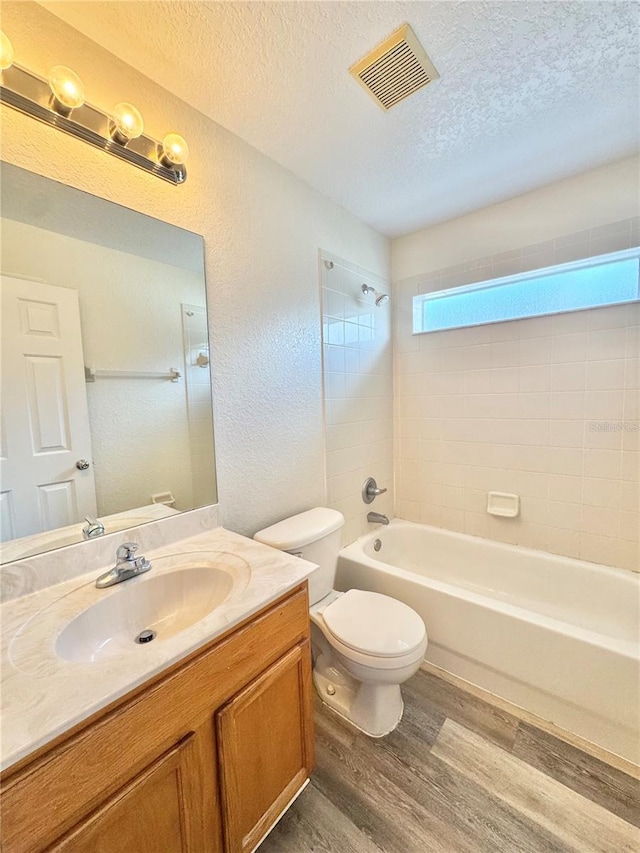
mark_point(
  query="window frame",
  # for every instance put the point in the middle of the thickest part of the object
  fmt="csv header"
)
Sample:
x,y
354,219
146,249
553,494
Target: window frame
x,y
419,300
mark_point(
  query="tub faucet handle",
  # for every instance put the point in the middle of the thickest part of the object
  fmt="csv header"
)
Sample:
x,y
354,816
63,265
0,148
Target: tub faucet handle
x,y
370,490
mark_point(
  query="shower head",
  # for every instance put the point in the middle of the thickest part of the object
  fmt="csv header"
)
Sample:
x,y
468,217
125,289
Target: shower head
x,y
381,298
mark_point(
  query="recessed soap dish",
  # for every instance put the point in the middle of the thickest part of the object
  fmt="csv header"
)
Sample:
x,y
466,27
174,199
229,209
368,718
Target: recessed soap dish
x,y
503,504
165,498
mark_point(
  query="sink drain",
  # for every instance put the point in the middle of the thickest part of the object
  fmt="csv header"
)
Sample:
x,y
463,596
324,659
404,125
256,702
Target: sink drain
x,y
145,637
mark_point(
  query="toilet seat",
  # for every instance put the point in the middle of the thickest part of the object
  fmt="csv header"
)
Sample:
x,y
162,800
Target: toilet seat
x,y
375,626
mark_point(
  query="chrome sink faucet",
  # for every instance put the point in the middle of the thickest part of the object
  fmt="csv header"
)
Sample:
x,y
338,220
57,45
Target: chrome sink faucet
x,y
127,566
377,518
94,527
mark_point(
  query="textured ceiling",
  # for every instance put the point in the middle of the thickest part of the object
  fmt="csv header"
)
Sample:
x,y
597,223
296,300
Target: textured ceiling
x,y
530,92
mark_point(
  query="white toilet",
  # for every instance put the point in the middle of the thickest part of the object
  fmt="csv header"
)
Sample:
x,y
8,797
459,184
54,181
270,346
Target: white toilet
x,y
364,644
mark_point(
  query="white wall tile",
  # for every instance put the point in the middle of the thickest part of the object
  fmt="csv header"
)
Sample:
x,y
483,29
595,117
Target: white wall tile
x,y
630,525
533,484
629,496
611,317
600,521
606,343
453,519
563,541
603,405
601,492
565,488
569,348
566,433
546,407
598,549
630,466
628,555
534,405
567,405
358,396
535,377
505,353
569,323
599,436
477,524
568,377
602,464
631,408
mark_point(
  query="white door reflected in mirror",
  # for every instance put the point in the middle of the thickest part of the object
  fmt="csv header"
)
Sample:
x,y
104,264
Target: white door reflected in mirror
x,y
45,415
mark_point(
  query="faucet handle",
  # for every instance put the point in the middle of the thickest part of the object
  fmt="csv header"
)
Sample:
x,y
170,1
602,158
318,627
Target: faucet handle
x,y
125,552
370,490
93,527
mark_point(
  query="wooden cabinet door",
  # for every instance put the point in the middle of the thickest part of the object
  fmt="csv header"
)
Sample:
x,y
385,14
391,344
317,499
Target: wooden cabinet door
x,y
157,812
265,748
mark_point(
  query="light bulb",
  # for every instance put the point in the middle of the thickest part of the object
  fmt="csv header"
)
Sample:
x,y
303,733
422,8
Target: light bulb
x,y
6,52
175,150
67,88
127,123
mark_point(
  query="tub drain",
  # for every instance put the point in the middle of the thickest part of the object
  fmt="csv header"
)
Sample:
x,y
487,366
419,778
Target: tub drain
x,y
145,636
377,545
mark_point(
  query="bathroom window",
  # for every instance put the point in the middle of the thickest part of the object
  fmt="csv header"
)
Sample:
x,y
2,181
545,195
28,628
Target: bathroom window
x,y
605,280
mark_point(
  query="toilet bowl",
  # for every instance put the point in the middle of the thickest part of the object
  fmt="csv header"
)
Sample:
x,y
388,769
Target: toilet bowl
x,y
364,645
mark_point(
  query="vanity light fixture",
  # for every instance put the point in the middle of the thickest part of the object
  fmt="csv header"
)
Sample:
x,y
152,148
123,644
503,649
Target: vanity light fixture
x,y
174,150
6,52
59,101
67,91
127,123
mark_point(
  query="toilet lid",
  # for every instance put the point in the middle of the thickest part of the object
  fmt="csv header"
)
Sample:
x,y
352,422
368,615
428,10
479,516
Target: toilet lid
x,y
374,624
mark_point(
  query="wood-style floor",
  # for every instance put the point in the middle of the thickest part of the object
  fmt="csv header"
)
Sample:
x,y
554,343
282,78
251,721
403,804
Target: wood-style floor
x,y
458,775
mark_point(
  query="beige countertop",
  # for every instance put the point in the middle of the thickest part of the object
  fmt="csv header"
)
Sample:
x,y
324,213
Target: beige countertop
x,y
44,695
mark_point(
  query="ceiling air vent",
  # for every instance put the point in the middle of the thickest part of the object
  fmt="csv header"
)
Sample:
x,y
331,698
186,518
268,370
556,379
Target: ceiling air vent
x,y
395,69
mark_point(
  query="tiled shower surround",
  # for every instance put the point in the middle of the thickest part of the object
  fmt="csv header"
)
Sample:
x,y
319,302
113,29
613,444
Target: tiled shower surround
x,y
358,392
547,408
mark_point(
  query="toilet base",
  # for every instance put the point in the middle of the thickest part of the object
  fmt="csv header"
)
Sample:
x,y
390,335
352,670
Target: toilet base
x,y
374,709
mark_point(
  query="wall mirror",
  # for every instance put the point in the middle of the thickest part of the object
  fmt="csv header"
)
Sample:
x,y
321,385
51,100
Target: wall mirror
x,y
106,385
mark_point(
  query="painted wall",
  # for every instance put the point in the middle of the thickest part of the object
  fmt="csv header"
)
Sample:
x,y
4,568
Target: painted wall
x,y
586,201
358,390
547,408
131,319
262,228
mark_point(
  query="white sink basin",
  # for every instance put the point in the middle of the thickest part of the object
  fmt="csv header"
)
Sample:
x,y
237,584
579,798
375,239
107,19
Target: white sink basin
x,y
164,604
91,625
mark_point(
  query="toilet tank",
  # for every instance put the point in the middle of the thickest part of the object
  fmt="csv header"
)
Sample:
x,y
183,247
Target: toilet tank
x,y
313,535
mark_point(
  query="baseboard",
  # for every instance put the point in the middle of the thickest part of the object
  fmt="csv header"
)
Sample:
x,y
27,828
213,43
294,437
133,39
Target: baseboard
x,y
593,749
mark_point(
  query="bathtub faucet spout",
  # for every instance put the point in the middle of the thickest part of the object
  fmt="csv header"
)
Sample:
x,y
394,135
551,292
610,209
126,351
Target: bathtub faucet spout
x,y
377,518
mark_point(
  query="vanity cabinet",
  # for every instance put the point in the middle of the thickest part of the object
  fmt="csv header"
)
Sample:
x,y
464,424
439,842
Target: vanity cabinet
x,y
264,748
203,758
152,812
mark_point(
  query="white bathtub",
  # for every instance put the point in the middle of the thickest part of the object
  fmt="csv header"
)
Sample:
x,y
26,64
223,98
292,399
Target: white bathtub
x,y
557,636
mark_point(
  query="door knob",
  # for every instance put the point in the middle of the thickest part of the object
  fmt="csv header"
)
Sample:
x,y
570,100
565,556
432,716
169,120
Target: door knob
x,y
82,464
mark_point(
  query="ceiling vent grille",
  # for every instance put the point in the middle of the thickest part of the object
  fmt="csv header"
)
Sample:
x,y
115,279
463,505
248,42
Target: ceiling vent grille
x,y
395,69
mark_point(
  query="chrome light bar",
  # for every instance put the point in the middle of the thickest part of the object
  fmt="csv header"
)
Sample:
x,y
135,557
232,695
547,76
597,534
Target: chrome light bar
x,y
30,94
